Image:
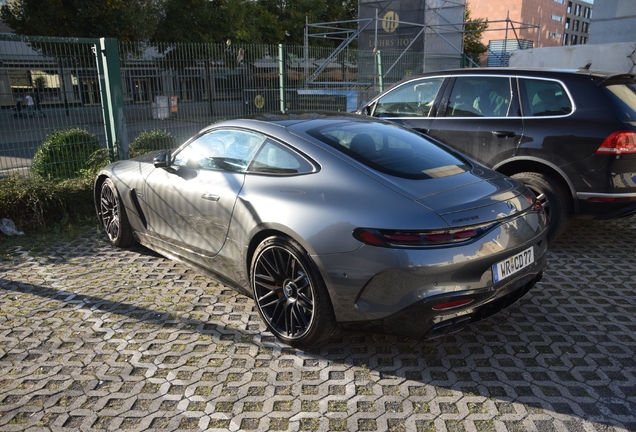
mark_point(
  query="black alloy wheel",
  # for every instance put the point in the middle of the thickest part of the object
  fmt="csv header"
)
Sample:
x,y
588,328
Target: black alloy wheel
x,y
113,218
290,294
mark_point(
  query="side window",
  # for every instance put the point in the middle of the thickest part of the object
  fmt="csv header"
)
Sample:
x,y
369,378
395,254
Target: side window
x,y
274,158
227,150
479,97
413,99
543,98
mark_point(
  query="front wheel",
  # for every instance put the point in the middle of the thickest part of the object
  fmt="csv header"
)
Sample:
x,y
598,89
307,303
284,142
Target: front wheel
x,y
113,217
554,198
290,294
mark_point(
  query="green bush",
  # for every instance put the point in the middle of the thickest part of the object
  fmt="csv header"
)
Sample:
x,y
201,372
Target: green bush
x,y
36,203
64,153
151,141
98,160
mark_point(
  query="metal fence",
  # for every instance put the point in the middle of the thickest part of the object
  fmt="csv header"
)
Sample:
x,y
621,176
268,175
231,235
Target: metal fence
x,y
49,84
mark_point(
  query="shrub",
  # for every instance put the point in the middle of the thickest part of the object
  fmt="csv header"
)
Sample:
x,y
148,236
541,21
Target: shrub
x,y
64,153
98,160
35,203
151,141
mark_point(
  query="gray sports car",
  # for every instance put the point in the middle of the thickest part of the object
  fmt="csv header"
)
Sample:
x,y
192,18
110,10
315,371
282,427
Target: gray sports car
x,y
333,221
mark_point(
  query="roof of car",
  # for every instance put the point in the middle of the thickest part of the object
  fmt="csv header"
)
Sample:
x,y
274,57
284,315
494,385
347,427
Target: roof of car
x,y
595,75
289,119
528,70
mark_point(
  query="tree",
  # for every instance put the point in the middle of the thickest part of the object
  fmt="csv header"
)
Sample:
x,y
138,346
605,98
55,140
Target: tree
x,y
283,21
473,30
126,20
169,21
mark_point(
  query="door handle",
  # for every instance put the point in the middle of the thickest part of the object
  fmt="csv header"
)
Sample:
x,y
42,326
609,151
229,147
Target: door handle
x,y
210,197
504,134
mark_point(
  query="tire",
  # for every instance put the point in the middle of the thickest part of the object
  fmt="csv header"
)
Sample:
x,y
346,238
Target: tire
x,y
113,217
556,201
290,294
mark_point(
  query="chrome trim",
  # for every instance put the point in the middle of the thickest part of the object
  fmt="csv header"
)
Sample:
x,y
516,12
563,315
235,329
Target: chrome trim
x,y
509,76
588,195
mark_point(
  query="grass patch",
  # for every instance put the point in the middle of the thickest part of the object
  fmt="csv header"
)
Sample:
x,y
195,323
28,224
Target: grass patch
x,y
36,242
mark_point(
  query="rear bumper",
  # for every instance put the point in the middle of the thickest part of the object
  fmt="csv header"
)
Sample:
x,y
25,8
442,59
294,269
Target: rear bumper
x,y
394,290
420,321
607,205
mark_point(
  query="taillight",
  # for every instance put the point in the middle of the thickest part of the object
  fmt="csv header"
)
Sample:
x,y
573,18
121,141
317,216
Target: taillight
x,y
452,304
618,143
391,238
535,203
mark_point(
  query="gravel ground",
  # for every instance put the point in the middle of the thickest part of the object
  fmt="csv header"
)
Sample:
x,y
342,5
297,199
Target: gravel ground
x,y
95,338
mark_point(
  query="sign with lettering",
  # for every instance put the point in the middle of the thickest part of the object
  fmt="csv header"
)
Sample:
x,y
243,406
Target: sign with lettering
x,y
395,26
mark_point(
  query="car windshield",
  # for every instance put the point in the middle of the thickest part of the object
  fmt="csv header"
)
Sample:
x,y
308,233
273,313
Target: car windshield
x,y
623,98
391,150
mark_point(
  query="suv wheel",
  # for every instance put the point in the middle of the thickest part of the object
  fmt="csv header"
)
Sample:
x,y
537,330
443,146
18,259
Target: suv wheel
x,y
554,198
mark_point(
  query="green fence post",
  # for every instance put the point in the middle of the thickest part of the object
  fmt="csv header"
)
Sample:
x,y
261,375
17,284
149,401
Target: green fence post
x,y
112,96
281,71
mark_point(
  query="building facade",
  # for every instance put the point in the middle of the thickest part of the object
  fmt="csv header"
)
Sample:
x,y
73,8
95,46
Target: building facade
x,y
577,22
541,22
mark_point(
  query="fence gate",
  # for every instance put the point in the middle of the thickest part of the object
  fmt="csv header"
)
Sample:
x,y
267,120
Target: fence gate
x,y
49,84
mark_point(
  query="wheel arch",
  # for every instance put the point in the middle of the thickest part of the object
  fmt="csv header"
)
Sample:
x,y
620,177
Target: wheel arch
x,y
268,231
99,181
518,165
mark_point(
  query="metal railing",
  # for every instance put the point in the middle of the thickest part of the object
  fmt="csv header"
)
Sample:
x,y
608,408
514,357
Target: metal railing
x,y
178,88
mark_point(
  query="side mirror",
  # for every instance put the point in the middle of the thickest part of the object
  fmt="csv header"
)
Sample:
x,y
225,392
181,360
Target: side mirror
x,y
163,159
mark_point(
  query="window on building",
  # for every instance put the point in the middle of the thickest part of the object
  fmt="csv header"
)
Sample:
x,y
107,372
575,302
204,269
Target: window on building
x,y
559,1
576,25
577,10
583,40
558,18
555,35
588,13
566,39
567,24
586,27
569,7
574,40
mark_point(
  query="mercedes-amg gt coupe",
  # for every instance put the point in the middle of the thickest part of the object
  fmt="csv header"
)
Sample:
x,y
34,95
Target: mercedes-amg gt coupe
x,y
333,221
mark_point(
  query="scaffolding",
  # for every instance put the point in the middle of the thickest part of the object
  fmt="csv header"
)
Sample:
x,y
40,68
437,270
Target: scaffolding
x,y
498,53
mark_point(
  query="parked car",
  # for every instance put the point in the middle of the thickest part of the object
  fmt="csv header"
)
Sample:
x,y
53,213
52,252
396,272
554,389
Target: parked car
x,y
333,221
568,135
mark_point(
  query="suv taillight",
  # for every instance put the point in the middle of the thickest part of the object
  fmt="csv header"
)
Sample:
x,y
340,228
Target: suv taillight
x,y
618,143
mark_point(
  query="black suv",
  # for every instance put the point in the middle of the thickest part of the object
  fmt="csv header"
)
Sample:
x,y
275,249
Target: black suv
x,y
569,135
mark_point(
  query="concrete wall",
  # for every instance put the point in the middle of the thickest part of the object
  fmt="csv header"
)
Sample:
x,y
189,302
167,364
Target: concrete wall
x,y
615,57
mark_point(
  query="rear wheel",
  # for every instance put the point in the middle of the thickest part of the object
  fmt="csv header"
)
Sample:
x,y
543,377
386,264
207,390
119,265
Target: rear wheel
x,y
113,217
290,294
554,198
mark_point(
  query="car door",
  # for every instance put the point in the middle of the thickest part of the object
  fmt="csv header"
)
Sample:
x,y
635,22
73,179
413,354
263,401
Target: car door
x,y
190,203
412,104
480,118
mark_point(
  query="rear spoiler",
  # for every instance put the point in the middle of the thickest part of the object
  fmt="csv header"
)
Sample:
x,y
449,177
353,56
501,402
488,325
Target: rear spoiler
x,y
605,80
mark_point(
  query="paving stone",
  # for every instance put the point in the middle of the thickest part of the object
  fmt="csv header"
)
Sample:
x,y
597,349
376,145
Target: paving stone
x,y
95,338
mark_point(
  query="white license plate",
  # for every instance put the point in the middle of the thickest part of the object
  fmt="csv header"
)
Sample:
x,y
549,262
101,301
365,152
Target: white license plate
x,y
512,265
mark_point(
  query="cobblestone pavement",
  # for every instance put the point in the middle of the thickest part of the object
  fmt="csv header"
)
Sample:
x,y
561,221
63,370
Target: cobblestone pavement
x,y
94,338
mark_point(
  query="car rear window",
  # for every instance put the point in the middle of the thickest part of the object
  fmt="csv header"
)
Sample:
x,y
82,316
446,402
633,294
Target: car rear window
x,y
391,150
623,100
542,97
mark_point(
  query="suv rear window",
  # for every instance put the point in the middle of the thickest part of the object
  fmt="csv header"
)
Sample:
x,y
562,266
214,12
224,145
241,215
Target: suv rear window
x,y
391,150
541,97
623,99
